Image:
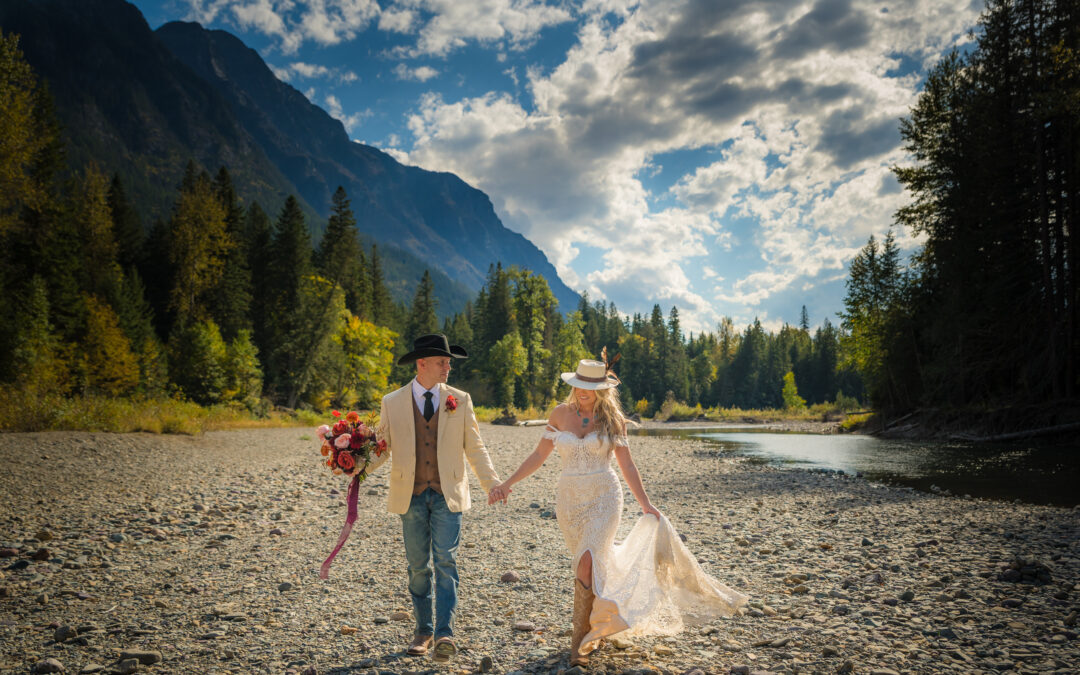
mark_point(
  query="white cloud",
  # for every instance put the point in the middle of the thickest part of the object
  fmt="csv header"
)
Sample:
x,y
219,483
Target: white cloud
x,y
800,101
454,23
440,26
333,106
309,71
418,74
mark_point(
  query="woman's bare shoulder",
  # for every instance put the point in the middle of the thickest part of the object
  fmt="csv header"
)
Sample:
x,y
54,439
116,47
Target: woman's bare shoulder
x,y
559,414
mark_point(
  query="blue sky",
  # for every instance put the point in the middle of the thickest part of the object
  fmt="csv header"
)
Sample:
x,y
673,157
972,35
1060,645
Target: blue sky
x,y
725,156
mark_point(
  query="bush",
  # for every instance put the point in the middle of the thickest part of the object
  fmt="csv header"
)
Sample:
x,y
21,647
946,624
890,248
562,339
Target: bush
x,y
197,357
642,407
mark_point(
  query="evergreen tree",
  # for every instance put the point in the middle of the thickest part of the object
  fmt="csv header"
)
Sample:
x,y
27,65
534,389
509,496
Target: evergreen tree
x,y
127,229
231,305
381,307
340,257
198,245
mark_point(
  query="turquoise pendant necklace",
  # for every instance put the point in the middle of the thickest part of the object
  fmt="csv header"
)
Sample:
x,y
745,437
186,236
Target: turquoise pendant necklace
x,y
584,420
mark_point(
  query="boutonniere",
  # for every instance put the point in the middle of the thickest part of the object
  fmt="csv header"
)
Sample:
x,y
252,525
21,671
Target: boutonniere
x,y
451,403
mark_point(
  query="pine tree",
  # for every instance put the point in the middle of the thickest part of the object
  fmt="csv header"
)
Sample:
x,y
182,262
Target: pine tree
x,y
22,143
340,256
382,307
231,303
127,229
258,236
198,246
422,317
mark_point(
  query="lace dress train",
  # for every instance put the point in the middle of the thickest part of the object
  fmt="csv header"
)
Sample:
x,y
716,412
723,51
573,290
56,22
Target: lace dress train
x,y
649,583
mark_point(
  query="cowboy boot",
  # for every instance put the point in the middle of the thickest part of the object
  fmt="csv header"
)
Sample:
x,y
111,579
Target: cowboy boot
x,y
583,602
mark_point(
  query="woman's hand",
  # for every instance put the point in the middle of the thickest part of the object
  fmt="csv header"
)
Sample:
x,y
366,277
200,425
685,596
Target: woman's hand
x,y
648,509
499,493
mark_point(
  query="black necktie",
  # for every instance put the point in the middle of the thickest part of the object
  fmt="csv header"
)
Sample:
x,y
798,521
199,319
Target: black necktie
x,y
429,409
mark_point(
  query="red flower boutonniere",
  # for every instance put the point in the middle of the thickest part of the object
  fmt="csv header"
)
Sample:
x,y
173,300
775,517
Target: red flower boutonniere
x,y
451,403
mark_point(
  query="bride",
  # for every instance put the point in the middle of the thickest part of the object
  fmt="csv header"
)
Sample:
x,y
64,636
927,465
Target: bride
x,y
650,582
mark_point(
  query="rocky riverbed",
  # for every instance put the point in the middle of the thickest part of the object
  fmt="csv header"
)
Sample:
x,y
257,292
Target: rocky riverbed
x,y
165,554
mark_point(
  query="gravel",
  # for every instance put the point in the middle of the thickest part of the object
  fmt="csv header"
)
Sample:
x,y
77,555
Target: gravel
x,y
175,554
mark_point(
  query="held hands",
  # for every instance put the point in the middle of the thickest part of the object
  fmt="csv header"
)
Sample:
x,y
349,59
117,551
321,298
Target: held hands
x,y
499,493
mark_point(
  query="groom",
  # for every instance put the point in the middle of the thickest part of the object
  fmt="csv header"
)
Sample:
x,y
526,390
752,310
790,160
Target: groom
x,y
430,431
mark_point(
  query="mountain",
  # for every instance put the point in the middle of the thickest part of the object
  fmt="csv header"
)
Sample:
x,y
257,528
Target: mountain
x,y
143,102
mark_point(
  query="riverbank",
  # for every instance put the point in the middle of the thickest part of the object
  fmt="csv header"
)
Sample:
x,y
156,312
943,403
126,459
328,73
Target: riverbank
x,y
1052,421
201,553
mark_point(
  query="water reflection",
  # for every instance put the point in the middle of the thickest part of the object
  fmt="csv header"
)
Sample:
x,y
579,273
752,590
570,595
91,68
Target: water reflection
x,y
1031,472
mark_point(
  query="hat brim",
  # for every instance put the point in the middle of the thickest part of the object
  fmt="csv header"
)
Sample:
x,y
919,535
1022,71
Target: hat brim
x,y
424,352
574,381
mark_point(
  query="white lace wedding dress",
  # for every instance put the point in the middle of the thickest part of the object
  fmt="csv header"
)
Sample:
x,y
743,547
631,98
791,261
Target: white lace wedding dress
x,y
649,583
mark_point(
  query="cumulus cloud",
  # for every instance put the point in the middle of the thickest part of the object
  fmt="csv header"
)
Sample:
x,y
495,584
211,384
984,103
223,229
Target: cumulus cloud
x,y
310,71
418,74
440,26
333,106
798,101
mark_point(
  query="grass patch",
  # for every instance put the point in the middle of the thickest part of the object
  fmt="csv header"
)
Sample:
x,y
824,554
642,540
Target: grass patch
x,y
485,413
28,411
853,422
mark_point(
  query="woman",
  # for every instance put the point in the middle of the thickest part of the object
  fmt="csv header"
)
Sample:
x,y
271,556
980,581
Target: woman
x,y
649,582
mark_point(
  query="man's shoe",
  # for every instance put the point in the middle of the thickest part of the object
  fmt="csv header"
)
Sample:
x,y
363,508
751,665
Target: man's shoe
x,y
420,645
445,649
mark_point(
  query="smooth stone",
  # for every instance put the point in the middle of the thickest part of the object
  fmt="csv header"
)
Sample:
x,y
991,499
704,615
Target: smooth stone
x,y
285,586
145,657
91,668
400,616
127,666
907,596
510,577
64,633
525,626
379,620
49,666
486,664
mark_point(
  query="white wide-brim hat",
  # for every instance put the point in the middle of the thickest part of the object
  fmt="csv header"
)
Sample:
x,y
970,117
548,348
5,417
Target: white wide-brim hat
x,y
591,375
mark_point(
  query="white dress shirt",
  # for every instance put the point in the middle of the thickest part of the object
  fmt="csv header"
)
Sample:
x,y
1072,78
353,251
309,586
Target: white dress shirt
x,y
418,396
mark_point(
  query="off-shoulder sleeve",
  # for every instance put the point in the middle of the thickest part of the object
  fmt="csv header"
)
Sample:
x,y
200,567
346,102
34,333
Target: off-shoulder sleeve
x,y
550,433
620,440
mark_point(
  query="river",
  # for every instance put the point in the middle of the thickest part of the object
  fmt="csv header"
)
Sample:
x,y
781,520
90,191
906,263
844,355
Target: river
x,y
1037,473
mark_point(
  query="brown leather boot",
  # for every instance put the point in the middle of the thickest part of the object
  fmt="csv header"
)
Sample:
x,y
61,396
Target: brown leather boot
x,y
583,601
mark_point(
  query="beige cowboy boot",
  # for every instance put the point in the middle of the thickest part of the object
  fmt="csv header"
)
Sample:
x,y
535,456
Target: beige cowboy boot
x,y
583,602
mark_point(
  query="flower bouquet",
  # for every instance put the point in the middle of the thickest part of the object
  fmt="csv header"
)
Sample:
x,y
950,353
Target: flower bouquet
x,y
348,444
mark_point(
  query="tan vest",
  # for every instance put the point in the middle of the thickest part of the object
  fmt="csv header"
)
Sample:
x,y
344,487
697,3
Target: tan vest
x,y
427,455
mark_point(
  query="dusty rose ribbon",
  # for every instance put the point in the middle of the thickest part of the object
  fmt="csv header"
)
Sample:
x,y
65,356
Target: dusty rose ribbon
x,y
350,518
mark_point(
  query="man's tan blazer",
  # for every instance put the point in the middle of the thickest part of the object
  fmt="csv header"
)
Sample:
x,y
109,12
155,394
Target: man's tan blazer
x,y
458,439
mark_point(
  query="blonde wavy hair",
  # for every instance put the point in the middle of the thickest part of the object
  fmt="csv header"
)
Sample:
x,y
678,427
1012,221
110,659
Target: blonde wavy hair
x,y
607,412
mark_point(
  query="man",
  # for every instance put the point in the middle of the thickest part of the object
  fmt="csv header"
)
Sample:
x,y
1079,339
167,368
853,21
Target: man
x,y
430,430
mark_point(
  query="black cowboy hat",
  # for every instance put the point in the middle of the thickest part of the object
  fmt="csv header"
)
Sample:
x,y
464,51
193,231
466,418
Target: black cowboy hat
x,y
432,345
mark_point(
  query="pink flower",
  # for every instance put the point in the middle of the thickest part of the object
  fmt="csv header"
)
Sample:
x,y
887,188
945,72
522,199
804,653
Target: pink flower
x,y
323,430
342,441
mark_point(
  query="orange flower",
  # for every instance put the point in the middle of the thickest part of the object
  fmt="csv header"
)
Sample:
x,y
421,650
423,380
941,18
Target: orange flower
x,y
330,462
353,416
325,449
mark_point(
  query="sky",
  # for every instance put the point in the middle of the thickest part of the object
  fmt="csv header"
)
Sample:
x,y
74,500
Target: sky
x,y
727,157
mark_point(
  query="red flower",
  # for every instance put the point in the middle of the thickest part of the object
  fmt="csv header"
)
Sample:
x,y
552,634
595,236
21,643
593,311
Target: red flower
x,y
357,441
451,403
335,413
340,427
380,448
346,462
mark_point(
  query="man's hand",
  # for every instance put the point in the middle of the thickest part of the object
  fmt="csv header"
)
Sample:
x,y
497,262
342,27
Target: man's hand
x,y
499,493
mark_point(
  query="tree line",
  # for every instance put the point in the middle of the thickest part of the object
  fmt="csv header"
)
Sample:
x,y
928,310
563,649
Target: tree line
x,y
984,314
221,302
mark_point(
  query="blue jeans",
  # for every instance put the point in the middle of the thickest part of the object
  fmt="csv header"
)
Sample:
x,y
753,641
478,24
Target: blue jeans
x,y
429,526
